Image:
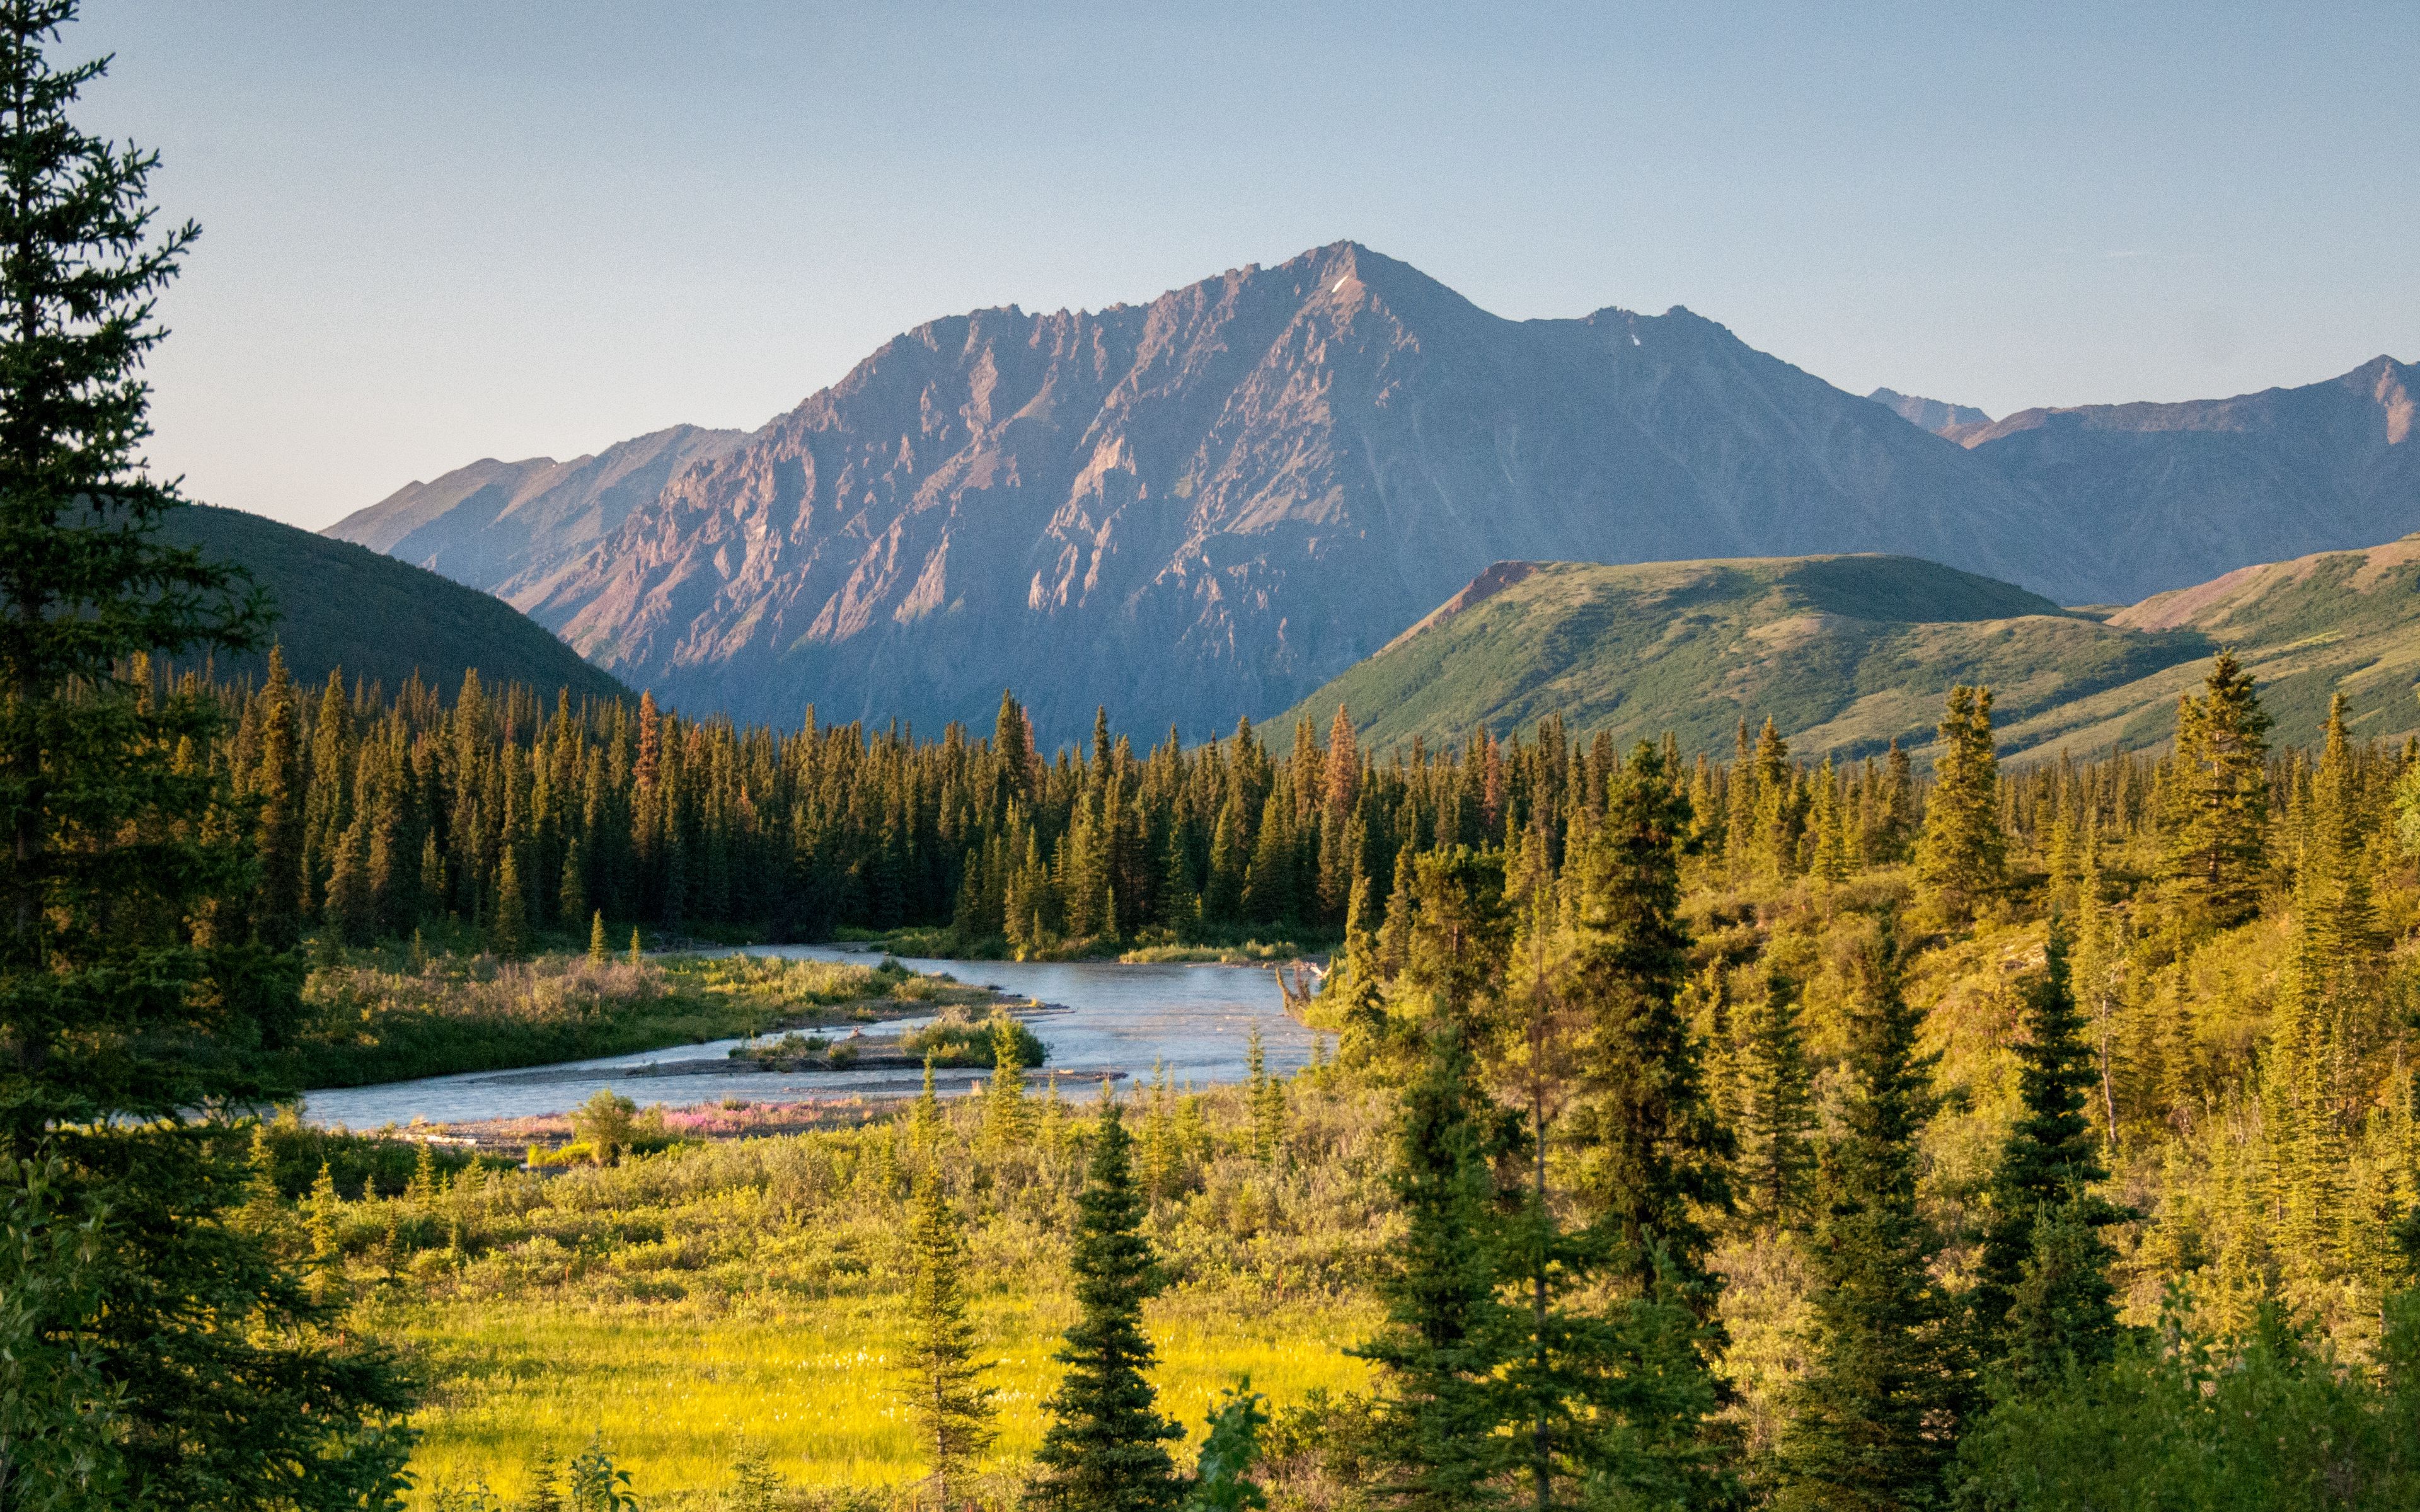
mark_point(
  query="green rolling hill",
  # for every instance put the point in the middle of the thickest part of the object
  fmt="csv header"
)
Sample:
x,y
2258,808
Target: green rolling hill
x,y
1849,652
341,604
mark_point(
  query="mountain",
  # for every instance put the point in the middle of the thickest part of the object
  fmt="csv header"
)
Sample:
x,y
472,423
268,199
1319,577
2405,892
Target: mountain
x,y
507,526
1210,503
1848,653
2182,492
342,606
1949,419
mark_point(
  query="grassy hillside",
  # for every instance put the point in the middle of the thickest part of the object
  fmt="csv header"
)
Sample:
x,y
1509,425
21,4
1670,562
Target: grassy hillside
x,y
344,605
1845,652
1848,652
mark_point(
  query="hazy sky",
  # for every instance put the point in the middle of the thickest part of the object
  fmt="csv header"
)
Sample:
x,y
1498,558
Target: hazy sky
x,y
436,232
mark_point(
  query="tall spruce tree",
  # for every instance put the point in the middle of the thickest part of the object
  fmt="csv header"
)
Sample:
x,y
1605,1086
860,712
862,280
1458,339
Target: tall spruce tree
x,y
1872,1422
1104,1449
2048,1167
1776,1106
1447,1333
953,1409
2217,799
126,1019
1650,1149
1961,856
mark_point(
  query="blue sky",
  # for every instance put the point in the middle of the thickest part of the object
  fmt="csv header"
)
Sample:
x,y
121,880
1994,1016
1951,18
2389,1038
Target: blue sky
x,y
434,232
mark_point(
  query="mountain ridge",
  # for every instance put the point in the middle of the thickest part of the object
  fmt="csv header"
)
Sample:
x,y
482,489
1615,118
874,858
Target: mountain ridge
x,y
1848,653
1210,503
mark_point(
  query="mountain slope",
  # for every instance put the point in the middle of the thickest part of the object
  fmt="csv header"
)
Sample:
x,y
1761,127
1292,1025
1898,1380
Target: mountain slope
x,y
1210,503
507,526
2183,492
1846,652
1934,415
344,605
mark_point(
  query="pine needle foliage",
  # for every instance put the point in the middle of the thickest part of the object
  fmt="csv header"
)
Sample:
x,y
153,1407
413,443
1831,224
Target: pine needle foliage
x,y
1962,855
953,1409
1447,1332
1871,1422
131,981
1104,1449
2041,1236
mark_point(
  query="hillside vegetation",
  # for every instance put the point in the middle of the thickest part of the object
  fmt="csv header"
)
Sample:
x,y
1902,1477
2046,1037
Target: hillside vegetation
x,y
340,605
1847,653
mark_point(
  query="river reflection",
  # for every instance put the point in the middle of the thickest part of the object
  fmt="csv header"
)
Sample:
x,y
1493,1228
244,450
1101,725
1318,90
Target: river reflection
x,y
1120,1018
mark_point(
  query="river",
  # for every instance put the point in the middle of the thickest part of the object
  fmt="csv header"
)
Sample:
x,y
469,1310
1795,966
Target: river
x,y
1117,1018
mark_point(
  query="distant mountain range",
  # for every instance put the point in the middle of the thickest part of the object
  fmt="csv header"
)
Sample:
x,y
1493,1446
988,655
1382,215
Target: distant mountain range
x,y
1214,503
1849,653
340,605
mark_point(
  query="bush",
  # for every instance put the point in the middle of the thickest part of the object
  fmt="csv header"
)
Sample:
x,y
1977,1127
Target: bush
x,y
957,1040
2182,1424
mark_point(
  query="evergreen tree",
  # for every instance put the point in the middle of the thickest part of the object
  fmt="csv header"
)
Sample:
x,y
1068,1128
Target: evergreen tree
x,y
1871,1423
1650,1149
2217,800
953,1411
1267,1095
1447,1332
925,1127
2048,1167
125,1010
1104,1449
599,956
511,928
1221,1480
1007,1120
1962,856
1776,1108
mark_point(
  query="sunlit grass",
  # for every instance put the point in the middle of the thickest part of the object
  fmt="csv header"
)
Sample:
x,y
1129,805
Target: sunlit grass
x,y
677,1391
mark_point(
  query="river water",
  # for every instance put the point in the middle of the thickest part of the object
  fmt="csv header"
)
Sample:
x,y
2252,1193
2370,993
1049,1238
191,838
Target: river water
x,y
1118,1018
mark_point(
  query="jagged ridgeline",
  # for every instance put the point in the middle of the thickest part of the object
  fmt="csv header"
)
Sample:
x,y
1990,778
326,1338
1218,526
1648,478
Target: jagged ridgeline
x,y
384,812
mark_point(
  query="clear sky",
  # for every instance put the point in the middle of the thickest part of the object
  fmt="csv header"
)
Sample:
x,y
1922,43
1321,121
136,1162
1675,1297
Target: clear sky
x,y
435,232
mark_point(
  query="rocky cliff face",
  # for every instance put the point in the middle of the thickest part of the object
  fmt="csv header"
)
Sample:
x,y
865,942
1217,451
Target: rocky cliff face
x,y
2178,493
507,526
1209,504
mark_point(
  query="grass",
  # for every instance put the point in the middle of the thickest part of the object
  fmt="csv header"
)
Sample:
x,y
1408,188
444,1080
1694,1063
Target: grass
x,y
747,1295
389,1015
679,1394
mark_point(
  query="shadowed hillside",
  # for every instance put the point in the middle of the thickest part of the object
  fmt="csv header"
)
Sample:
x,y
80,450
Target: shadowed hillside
x,y
345,605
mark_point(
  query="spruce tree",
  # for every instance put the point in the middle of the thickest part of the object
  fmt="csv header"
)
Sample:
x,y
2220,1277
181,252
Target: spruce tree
x,y
2217,799
1776,1106
511,929
599,955
1105,1447
1871,1423
1267,1095
1447,1333
953,1409
2048,1167
1962,856
127,1014
1007,1120
1652,1153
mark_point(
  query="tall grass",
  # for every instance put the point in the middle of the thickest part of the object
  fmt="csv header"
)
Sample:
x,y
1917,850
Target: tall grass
x,y
381,1016
747,1296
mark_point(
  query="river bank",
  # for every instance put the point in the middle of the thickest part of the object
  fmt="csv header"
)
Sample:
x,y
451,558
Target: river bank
x,y
1191,1022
